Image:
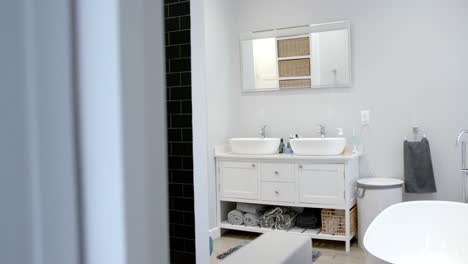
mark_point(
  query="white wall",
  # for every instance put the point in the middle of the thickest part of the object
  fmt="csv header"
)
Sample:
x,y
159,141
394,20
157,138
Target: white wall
x,y
214,103
408,69
221,83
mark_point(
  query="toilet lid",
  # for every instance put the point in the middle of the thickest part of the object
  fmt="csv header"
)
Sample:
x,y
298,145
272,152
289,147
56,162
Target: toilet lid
x,y
379,183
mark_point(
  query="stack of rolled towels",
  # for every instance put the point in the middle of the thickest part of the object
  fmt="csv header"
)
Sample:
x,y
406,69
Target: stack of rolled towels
x,y
247,214
282,218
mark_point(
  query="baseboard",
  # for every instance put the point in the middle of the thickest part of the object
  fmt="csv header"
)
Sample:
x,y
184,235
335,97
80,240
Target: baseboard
x,y
215,233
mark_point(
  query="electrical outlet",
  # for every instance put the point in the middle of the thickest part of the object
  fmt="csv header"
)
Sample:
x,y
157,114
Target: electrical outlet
x,y
365,117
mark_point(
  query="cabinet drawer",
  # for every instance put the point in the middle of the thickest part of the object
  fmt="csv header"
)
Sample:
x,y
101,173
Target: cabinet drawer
x,y
277,172
278,192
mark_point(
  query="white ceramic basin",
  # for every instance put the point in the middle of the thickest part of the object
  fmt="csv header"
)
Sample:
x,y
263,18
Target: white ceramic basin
x,y
254,146
318,146
419,232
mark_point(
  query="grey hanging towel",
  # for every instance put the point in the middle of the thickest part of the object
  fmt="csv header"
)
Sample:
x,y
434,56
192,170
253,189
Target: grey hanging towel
x,y
419,174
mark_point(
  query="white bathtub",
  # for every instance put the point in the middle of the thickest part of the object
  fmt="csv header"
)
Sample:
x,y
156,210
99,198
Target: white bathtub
x,y
419,232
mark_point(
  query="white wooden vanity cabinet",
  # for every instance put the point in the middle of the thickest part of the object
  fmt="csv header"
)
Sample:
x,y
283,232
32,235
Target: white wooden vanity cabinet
x,y
287,180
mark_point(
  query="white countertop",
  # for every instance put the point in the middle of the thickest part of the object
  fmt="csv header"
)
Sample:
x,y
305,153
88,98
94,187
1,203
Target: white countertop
x,y
224,152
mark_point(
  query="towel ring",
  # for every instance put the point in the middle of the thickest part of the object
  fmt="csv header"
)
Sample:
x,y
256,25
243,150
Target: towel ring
x,y
416,132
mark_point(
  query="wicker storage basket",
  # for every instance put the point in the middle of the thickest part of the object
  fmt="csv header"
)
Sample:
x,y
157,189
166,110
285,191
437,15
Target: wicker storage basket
x,y
299,83
293,68
334,224
293,47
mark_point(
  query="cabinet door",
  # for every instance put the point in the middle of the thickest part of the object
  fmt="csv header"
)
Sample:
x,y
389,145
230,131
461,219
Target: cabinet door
x,y
239,180
321,183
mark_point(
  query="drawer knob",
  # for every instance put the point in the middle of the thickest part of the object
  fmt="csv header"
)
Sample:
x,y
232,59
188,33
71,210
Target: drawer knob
x,y
276,172
300,166
253,165
277,192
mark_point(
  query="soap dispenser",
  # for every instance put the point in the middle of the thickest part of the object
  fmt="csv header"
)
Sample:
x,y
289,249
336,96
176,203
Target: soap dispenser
x,y
354,141
287,148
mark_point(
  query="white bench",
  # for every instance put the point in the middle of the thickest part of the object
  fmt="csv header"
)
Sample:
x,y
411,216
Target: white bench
x,y
274,248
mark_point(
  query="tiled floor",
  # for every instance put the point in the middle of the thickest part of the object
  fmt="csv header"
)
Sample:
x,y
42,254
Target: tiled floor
x,y
332,252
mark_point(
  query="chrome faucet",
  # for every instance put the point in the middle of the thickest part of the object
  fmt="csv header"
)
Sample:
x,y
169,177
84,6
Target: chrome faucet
x,y
462,132
462,145
321,130
262,131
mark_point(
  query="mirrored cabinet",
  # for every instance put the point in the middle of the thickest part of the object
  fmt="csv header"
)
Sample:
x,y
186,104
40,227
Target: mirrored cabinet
x,y
311,56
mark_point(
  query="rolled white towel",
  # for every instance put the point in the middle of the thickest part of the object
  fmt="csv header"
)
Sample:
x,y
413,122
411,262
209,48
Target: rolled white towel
x,y
251,208
236,217
251,219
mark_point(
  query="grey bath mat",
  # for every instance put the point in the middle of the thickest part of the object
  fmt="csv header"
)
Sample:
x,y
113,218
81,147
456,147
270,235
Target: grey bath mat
x,y
232,250
315,252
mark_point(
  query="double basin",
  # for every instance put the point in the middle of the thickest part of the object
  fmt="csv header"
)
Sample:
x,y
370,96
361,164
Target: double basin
x,y
300,146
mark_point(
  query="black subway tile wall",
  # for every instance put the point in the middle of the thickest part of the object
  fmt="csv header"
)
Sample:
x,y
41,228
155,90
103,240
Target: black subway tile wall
x,y
179,111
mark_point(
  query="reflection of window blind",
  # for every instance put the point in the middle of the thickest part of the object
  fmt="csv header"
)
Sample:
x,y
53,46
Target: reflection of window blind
x,y
294,62
293,68
299,83
293,47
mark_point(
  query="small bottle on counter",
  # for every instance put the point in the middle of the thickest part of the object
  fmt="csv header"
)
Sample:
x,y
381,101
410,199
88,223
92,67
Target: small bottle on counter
x,y
281,146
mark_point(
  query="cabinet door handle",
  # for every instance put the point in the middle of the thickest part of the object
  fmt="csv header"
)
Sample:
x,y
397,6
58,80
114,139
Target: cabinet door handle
x,y
300,166
277,192
253,165
276,172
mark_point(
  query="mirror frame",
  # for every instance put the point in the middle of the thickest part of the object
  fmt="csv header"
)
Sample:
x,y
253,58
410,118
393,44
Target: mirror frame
x,y
294,31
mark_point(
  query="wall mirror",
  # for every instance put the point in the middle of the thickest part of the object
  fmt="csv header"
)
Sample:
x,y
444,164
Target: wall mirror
x,y
311,56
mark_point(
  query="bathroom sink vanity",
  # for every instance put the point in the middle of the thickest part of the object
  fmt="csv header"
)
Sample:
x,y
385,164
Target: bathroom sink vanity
x,y
287,180
319,176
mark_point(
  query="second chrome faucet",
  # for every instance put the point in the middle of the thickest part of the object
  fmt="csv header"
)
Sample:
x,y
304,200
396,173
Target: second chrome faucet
x,y
322,130
262,131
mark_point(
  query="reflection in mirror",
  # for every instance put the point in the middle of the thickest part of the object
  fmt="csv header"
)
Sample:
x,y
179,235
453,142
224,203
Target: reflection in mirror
x,y
330,58
266,71
304,57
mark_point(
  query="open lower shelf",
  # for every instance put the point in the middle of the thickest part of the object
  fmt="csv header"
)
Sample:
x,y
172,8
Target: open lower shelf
x,y
313,233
